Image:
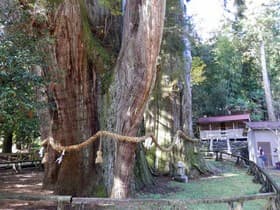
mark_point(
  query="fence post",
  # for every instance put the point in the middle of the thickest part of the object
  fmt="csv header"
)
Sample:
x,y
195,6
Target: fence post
x,y
237,161
230,205
239,206
221,156
60,205
272,204
62,202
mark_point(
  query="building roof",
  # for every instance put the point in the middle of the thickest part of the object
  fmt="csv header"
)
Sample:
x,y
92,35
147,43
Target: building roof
x,y
263,125
226,118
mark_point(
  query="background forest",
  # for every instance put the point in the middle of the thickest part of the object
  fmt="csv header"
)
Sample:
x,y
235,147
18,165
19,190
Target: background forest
x,y
65,70
228,66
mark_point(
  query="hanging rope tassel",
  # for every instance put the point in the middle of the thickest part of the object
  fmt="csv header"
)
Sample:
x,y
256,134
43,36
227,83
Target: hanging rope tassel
x,y
99,158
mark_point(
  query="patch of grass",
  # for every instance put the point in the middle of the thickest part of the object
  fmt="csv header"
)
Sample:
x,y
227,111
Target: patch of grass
x,y
231,182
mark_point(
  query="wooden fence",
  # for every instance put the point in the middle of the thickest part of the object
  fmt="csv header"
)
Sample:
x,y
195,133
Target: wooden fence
x,y
62,202
18,160
86,203
270,192
260,176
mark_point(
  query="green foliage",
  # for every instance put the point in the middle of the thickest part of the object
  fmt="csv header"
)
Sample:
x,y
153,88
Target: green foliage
x,y
18,86
261,22
198,70
232,81
112,6
18,82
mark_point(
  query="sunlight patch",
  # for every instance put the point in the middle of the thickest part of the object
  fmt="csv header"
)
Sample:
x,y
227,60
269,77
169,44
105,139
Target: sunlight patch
x,y
229,175
220,176
19,204
20,185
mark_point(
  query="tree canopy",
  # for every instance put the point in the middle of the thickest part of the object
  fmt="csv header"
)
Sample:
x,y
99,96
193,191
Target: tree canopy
x,y
232,69
19,84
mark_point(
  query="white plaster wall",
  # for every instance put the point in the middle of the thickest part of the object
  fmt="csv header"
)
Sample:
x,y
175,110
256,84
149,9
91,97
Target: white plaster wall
x,y
255,136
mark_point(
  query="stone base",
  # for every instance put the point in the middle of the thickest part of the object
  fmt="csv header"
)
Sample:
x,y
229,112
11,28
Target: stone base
x,y
181,179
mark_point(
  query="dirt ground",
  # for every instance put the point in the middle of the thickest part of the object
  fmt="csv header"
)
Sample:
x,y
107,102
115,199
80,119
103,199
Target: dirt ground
x,y
29,181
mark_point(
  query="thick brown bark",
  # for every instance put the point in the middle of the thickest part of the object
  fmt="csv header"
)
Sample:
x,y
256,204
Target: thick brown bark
x,y
74,102
134,80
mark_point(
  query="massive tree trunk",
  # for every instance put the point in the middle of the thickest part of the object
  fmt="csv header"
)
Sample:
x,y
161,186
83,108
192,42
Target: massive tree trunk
x,y
134,80
266,85
73,91
8,142
187,92
43,112
106,27
171,106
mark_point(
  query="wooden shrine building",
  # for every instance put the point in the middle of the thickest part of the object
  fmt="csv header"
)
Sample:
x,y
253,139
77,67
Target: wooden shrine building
x,y
224,129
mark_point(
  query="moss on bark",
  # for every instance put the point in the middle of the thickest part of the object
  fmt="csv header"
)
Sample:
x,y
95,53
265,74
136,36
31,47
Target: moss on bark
x,y
143,176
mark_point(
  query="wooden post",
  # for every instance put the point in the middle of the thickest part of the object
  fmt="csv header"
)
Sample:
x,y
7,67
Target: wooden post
x,y
272,204
237,160
62,201
221,156
230,205
19,167
239,206
60,205
228,146
211,145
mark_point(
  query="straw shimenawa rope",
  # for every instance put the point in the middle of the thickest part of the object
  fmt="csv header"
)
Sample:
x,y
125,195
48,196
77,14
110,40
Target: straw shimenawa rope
x,y
59,148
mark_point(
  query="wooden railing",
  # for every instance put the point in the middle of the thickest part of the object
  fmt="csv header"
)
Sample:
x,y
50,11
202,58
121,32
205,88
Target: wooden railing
x,y
222,134
270,192
69,202
62,201
17,160
260,176
233,203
